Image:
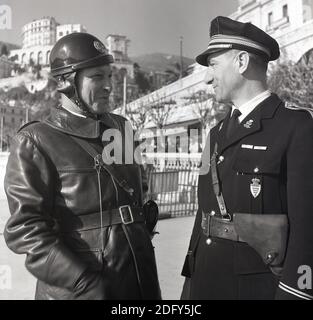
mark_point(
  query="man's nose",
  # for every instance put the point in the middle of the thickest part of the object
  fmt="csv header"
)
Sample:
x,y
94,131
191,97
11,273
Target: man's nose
x,y
208,79
107,85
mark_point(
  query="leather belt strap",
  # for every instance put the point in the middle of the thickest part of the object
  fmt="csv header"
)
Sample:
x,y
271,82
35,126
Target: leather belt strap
x,y
122,215
214,227
216,186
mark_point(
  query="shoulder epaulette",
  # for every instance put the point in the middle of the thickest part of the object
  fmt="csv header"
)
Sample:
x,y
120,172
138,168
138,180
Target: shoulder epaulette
x,y
298,108
26,125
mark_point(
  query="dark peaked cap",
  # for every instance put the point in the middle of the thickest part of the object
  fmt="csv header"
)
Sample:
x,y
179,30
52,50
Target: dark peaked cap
x,y
228,34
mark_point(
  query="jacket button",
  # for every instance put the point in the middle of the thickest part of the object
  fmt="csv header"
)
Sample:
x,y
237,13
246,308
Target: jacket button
x,y
256,170
208,241
221,159
212,213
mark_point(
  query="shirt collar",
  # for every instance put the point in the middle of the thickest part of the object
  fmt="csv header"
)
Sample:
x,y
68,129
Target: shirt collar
x,y
249,106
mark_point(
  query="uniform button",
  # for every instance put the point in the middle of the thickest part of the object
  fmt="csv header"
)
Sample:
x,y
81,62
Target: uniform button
x,y
256,170
208,241
225,230
212,213
221,159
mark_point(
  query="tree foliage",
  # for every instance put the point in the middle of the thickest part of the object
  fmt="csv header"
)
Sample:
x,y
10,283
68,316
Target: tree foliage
x,y
293,82
141,80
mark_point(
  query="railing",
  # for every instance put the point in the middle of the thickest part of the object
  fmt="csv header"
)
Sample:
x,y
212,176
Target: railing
x,y
173,183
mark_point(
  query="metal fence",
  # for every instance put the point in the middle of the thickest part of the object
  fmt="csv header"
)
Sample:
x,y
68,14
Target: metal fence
x,y
173,183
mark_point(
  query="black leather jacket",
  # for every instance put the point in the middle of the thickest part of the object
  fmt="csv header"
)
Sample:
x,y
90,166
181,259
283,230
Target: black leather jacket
x,y
53,190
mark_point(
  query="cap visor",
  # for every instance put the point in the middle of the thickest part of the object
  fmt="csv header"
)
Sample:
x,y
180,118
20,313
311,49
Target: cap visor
x,y
203,57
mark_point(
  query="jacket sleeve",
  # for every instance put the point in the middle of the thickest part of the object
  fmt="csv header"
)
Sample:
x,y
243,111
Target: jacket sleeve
x,y
29,186
296,281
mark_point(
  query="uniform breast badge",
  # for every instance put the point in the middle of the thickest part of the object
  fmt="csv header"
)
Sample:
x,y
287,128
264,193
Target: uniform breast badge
x,y
255,187
248,124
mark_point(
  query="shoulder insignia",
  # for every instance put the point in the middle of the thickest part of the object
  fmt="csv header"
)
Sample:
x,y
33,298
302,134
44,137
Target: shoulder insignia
x,y
298,108
26,125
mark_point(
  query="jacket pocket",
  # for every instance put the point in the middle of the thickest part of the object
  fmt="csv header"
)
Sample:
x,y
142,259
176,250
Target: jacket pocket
x,y
257,162
258,181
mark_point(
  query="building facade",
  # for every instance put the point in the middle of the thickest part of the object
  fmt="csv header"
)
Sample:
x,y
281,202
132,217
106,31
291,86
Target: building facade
x,y
13,116
40,32
118,48
6,67
65,29
39,36
290,22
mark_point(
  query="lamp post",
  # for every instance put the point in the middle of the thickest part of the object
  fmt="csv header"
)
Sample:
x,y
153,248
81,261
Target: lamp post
x,y
181,57
1,134
124,94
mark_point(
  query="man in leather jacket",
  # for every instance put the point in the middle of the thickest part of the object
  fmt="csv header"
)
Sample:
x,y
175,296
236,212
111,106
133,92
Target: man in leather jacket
x,y
84,235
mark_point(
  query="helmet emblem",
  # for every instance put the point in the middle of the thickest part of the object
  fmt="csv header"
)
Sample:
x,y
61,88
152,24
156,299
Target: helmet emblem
x,y
100,47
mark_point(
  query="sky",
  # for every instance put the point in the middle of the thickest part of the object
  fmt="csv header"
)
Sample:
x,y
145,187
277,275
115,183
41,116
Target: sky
x,y
151,25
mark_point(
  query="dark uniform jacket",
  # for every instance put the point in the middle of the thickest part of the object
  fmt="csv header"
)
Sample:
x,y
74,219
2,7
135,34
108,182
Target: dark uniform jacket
x,y
275,145
54,192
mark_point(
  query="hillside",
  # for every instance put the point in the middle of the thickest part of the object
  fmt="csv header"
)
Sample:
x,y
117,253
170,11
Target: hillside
x,y
159,61
10,46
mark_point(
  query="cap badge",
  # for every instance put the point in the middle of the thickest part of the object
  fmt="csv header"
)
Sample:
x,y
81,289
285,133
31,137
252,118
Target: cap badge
x,y
100,47
248,124
255,187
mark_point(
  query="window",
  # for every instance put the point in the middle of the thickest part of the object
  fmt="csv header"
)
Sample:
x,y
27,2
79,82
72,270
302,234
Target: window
x,y
12,111
270,18
285,11
307,10
12,120
60,33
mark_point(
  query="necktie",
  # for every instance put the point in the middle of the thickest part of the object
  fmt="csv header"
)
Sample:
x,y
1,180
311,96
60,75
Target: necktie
x,y
233,124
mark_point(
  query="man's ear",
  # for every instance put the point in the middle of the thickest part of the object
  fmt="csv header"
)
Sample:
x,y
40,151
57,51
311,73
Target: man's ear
x,y
243,61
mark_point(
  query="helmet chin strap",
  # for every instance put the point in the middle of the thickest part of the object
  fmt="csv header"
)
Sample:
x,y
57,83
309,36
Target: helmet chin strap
x,y
73,103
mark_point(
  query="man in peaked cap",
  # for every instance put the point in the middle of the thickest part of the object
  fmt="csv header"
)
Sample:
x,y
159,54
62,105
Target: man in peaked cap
x,y
252,237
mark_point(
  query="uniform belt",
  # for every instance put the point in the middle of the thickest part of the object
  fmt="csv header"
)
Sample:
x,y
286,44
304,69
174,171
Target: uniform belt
x,y
216,227
121,215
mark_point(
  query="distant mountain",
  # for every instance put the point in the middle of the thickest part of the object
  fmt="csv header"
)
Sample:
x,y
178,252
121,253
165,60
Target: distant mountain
x,y
159,61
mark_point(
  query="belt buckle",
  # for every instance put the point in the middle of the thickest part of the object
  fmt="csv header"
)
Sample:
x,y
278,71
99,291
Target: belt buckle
x,y
126,214
227,217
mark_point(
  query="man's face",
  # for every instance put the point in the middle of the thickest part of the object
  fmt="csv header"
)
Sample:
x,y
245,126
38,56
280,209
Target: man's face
x,y
94,87
223,74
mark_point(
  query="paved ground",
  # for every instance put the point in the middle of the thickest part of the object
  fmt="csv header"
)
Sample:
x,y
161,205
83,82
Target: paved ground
x,y
170,248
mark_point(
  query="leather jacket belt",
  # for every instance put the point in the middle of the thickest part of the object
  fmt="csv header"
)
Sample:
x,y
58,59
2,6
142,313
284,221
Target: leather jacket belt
x,y
121,215
216,227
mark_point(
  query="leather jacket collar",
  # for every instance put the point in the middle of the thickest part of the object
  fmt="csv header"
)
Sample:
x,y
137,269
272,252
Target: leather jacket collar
x,y
73,124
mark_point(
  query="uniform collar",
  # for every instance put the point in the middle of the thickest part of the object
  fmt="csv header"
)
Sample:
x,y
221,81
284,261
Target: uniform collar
x,y
249,106
251,124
